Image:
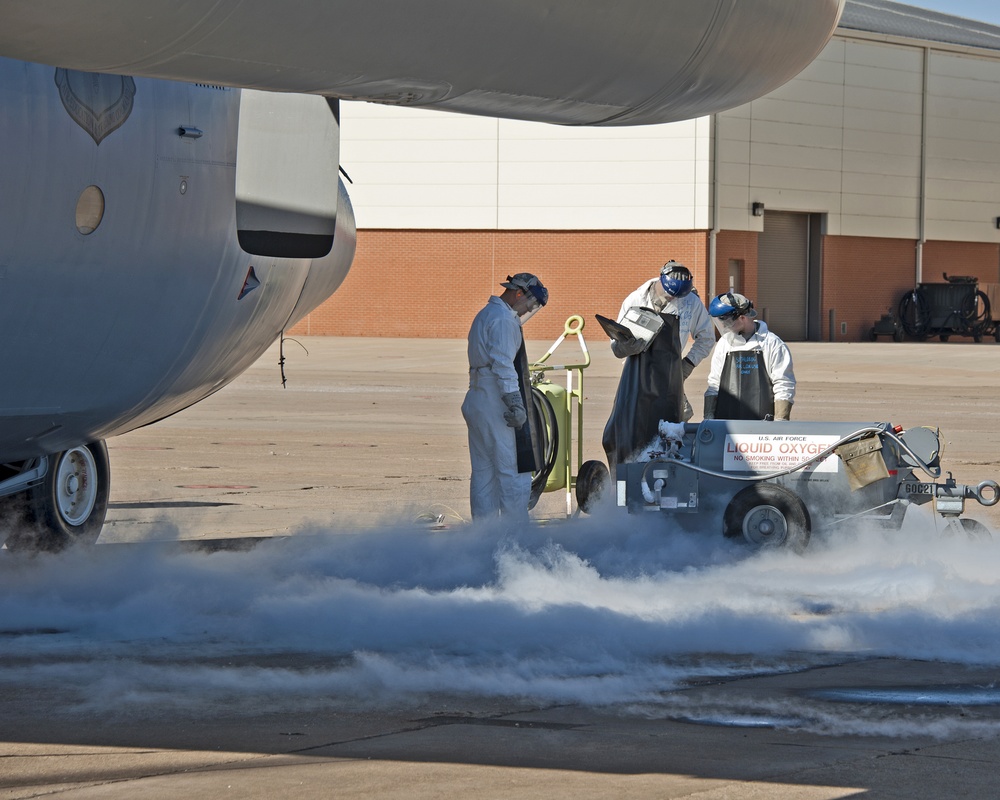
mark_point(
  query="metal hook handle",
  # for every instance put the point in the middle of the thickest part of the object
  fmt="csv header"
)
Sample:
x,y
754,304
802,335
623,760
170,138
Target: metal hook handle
x,y
988,493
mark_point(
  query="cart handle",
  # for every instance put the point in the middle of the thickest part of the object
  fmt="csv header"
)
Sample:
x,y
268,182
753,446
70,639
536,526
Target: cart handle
x,y
573,327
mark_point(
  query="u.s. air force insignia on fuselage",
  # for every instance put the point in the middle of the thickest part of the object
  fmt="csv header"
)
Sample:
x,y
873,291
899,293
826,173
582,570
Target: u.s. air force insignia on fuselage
x,y
99,104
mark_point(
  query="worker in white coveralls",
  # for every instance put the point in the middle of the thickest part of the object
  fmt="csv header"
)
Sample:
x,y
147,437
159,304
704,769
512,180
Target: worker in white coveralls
x,y
673,293
751,375
501,444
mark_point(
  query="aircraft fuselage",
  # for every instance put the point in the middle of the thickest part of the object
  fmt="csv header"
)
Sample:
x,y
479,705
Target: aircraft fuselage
x,y
150,311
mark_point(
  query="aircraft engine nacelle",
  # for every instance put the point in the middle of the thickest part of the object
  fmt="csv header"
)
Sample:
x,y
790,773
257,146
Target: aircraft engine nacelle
x,y
327,273
290,200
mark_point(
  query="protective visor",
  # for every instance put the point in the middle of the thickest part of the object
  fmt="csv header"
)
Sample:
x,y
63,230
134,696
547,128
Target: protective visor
x,y
531,306
726,324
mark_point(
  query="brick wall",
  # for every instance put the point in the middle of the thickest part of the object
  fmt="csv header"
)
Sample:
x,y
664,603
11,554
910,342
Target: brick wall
x,y
863,278
740,246
431,283
980,259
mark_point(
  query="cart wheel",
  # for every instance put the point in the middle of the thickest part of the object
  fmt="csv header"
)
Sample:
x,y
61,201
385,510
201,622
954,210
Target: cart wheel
x,y
897,336
976,315
972,528
766,515
977,338
996,333
591,482
914,314
872,335
944,337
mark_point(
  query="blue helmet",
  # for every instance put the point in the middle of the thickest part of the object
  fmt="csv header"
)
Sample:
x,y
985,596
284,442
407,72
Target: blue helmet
x,y
675,279
731,304
528,283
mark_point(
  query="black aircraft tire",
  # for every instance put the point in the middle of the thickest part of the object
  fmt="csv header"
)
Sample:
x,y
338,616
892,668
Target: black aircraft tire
x,y
766,515
591,483
70,504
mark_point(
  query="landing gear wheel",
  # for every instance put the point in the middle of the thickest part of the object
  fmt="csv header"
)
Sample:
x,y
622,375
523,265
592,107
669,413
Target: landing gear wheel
x,y
766,515
591,482
70,504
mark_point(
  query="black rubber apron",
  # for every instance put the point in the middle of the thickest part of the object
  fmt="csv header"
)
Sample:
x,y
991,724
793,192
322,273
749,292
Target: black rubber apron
x,y
525,439
745,388
651,389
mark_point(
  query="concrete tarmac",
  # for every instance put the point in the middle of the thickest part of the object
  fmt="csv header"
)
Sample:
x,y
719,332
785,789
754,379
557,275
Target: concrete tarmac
x,y
369,432
371,429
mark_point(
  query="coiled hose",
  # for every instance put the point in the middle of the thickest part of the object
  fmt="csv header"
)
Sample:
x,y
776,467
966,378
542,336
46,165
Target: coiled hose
x,y
548,434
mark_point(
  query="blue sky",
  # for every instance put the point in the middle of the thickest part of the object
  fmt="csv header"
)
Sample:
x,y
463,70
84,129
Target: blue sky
x,y
982,10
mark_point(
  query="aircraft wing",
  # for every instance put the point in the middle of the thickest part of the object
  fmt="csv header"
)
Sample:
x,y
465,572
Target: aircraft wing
x,y
579,62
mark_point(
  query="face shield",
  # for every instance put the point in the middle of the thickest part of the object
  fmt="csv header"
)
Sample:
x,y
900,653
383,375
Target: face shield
x,y
528,306
728,325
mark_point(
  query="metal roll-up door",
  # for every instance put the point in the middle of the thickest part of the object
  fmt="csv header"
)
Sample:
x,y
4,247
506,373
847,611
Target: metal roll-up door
x,y
782,274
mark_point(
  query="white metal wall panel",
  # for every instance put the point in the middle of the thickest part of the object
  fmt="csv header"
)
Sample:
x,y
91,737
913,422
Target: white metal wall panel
x,y
703,173
963,148
414,168
427,169
843,138
635,178
790,143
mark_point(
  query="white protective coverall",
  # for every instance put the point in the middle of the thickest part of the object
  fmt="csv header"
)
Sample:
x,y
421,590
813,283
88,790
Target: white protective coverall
x,y
777,360
497,486
695,323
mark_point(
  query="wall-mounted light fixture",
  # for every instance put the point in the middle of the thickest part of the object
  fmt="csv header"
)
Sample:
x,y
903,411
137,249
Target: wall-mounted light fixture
x,y
757,209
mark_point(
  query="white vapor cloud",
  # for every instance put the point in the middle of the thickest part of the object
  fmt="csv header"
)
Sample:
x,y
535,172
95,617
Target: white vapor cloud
x,y
604,611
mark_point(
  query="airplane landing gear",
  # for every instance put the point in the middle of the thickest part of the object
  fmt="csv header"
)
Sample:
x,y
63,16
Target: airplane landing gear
x,y
69,504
